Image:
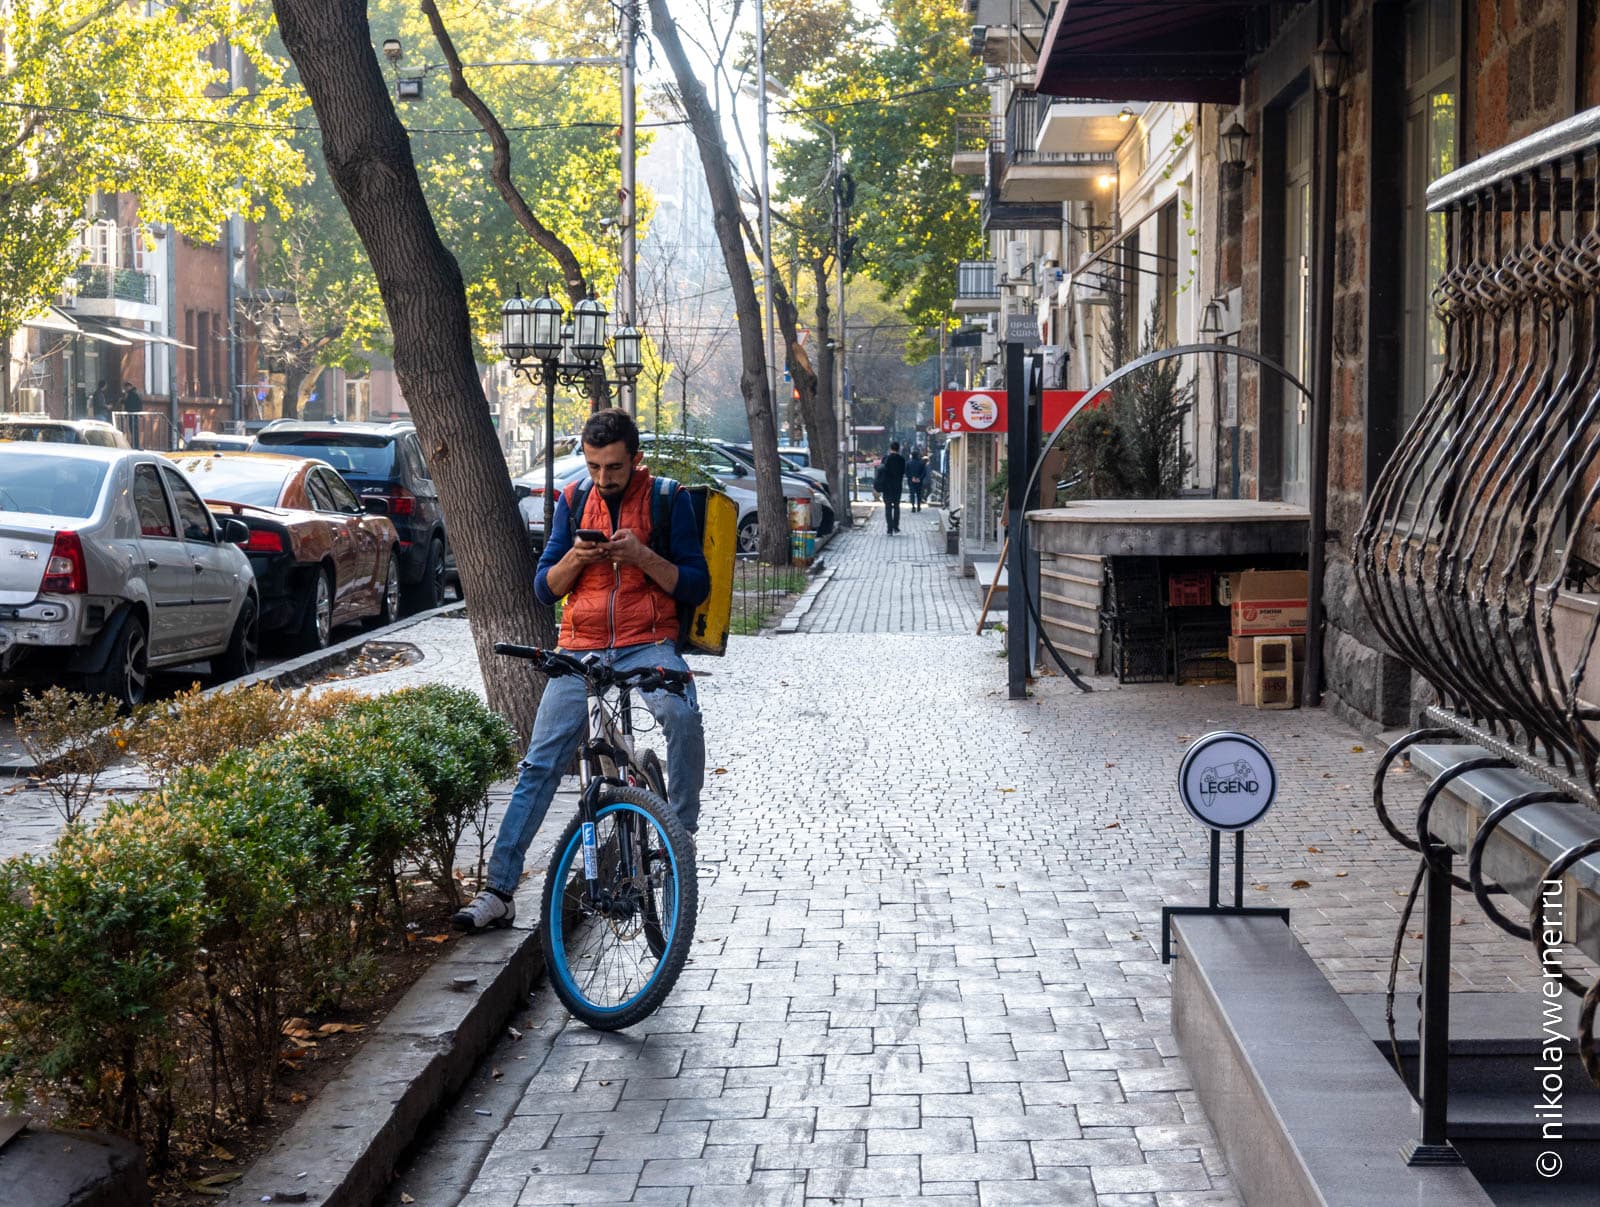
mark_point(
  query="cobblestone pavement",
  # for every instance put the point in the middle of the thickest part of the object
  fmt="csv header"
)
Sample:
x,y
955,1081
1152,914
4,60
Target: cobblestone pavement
x,y
894,584
927,966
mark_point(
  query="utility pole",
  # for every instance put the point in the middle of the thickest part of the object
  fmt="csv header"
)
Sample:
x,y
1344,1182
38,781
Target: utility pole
x,y
628,284
842,453
766,204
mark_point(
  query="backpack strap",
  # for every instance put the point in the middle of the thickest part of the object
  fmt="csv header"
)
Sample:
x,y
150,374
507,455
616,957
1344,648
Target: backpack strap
x,y
577,501
663,493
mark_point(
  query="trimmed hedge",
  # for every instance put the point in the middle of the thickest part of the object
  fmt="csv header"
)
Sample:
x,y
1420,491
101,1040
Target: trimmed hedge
x,y
148,962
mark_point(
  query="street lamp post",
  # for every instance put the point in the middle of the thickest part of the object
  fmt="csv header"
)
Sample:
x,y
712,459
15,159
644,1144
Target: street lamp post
x,y
546,347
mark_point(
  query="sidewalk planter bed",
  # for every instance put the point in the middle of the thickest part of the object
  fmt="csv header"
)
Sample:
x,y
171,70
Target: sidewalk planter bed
x,y
150,962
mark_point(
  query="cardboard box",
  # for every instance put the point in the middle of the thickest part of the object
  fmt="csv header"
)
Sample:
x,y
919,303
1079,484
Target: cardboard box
x,y
1242,650
1244,683
1269,602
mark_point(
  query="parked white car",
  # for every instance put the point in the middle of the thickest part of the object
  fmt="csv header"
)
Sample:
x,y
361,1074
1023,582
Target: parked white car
x,y
111,566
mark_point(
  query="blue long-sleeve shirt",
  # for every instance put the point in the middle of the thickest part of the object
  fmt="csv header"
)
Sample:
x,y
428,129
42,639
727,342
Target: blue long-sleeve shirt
x,y
684,551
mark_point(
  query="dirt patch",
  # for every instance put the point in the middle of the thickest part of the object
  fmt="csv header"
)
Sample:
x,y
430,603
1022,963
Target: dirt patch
x,y
373,658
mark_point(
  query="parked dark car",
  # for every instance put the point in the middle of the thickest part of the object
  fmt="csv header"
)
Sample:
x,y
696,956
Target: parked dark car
x,y
383,459
321,558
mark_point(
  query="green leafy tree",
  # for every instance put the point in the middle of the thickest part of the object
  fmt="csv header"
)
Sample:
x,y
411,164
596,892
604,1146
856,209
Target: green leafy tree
x,y
559,125
892,98
107,97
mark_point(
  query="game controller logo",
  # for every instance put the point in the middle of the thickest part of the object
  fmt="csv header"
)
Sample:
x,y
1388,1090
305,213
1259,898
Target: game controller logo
x,y
1229,779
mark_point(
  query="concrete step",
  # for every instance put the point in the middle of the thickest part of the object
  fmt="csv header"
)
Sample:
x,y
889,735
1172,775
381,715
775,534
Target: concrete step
x,y
1304,1107
982,575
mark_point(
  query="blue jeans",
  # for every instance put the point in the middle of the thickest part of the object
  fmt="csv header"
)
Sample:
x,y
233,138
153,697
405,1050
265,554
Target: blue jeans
x,y
557,730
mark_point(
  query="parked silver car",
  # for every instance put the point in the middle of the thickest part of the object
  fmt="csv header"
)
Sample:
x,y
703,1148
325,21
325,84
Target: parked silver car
x,y
111,565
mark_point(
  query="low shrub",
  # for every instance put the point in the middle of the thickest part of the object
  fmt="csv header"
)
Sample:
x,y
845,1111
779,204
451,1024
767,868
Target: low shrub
x,y
195,729
149,963
73,739
457,746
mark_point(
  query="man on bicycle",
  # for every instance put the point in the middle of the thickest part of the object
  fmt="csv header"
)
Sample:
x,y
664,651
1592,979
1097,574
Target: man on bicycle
x,y
622,604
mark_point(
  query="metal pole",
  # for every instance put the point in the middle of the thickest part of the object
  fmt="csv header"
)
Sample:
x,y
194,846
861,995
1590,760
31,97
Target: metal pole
x,y
627,286
1433,1146
549,447
766,204
1019,666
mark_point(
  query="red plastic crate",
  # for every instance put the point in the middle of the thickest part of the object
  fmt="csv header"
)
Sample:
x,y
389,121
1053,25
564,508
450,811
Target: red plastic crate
x,y
1189,590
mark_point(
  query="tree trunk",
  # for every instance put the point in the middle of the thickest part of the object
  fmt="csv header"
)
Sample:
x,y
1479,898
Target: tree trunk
x,y
822,429
754,382
369,160
294,377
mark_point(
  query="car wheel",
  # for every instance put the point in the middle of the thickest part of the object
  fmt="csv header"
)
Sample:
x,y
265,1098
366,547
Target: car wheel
x,y
240,656
389,602
429,592
126,675
749,535
316,613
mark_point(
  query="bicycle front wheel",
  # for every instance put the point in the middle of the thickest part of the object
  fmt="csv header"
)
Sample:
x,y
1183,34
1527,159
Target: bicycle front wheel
x,y
619,911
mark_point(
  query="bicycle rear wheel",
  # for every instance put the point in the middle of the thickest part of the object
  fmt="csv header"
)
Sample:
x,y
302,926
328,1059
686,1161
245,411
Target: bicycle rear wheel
x,y
603,964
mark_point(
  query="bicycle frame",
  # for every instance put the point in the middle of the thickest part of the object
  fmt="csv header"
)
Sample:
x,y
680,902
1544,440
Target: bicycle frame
x,y
598,765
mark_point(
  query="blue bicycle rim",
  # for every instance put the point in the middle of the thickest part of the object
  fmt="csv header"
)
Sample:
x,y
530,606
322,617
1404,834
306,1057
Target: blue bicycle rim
x,y
554,912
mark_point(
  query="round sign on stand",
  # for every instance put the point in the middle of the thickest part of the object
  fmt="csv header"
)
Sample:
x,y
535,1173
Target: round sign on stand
x,y
1227,781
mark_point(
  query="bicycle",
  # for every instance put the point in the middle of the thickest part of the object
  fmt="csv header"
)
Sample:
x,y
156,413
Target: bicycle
x,y
621,893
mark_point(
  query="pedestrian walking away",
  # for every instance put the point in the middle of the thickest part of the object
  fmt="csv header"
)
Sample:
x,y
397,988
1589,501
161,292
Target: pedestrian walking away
x,y
622,600
100,402
892,475
916,479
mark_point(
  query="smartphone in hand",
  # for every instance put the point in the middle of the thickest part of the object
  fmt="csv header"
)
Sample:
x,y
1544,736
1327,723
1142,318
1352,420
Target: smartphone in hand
x,y
593,535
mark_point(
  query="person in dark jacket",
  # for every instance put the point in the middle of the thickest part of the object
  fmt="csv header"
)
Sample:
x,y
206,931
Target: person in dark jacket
x,y
916,479
130,400
891,476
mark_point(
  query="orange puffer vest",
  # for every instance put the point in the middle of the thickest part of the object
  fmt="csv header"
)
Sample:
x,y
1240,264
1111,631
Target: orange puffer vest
x,y
613,606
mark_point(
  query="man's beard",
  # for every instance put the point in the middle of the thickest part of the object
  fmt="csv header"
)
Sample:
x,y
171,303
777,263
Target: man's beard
x,y
614,492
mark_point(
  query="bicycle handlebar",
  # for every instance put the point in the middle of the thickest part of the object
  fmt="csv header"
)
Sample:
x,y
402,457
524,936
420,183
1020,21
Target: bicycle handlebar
x,y
556,664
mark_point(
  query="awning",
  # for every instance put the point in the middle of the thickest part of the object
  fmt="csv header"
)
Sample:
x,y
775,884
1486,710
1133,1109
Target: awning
x,y
99,329
53,320
1149,50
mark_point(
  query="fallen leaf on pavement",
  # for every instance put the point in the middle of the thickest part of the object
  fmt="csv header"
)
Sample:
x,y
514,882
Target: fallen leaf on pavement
x,y
297,1097
406,1198
496,1074
340,1028
1340,875
514,1034
1358,750
1300,884
1260,888
1110,764
1315,850
1116,825
720,771
221,1154
298,1028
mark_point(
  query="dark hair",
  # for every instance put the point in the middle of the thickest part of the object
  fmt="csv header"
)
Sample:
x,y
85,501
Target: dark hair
x,y
610,425
894,446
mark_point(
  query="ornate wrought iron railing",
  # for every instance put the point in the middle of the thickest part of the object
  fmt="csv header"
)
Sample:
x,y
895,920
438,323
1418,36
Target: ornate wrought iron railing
x,y
1478,557
1480,537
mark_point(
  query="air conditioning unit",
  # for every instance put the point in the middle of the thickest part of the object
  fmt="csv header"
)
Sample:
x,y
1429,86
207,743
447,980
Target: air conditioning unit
x,y
1016,259
30,400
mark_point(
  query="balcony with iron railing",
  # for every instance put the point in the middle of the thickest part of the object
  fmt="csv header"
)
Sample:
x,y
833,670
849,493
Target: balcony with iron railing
x,y
973,136
1031,175
977,287
113,278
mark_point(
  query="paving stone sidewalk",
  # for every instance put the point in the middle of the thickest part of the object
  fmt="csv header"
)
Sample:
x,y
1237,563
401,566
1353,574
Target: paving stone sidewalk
x,y
926,966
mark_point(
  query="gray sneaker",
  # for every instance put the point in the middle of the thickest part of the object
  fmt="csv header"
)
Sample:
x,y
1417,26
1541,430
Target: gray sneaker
x,y
484,912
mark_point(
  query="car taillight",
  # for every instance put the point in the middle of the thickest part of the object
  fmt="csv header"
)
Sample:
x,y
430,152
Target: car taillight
x,y
263,542
402,502
65,572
